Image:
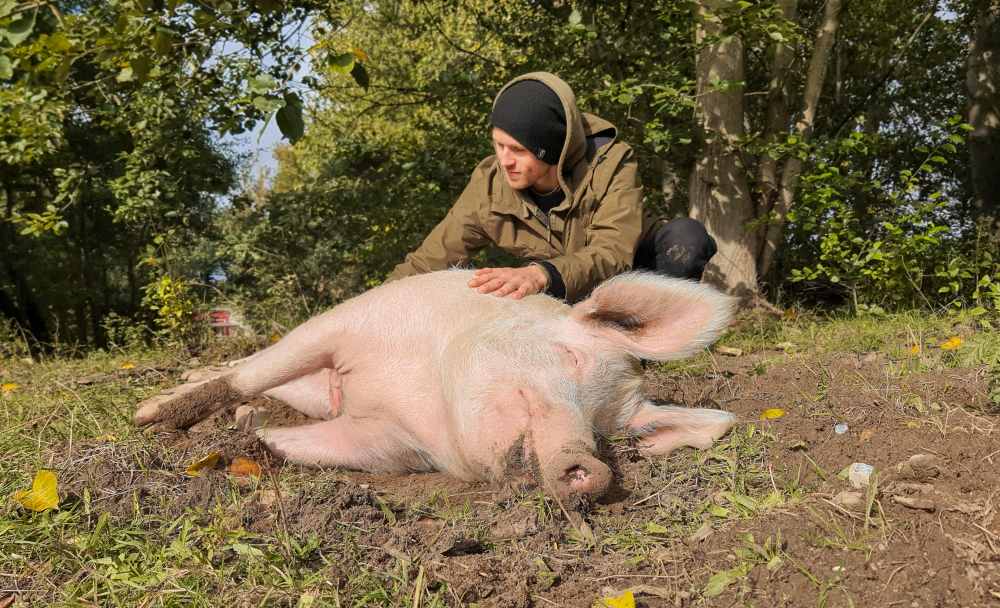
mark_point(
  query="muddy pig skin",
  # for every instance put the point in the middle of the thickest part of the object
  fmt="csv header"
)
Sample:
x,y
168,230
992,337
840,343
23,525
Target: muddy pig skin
x,y
427,374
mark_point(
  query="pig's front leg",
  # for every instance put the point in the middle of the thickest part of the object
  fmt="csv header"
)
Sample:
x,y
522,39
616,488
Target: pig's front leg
x,y
365,444
663,428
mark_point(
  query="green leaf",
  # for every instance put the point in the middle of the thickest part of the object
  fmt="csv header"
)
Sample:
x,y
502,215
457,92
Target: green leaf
x,y
718,583
19,30
59,43
654,528
575,17
267,104
263,83
141,66
267,6
776,36
342,63
289,118
125,75
6,69
360,75
7,7
163,41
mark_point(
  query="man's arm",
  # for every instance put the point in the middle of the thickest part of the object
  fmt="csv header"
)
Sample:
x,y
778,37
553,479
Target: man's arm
x,y
612,234
456,237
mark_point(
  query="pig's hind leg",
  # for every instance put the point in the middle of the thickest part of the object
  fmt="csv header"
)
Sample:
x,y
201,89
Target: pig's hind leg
x,y
317,395
663,428
363,444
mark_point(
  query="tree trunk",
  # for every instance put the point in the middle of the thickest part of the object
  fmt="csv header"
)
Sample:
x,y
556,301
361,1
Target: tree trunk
x,y
815,77
719,190
776,127
983,82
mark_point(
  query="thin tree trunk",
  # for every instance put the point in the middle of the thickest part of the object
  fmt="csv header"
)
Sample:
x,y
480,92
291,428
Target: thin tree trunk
x,y
776,127
983,82
719,190
815,77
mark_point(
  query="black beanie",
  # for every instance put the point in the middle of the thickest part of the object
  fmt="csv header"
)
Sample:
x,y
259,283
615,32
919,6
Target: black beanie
x,y
531,112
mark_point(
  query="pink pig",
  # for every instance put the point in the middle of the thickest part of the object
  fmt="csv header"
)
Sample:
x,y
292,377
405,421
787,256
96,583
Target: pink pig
x,y
427,374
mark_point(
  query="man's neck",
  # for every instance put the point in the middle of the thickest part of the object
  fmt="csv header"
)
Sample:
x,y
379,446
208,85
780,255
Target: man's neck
x,y
547,183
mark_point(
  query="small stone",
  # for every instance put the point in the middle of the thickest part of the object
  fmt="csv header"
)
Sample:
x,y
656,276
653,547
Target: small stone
x,y
849,499
915,502
919,467
729,351
701,534
859,474
868,358
250,418
840,428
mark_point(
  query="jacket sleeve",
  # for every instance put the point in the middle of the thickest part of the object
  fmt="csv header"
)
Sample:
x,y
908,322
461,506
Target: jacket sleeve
x,y
612,232
459,235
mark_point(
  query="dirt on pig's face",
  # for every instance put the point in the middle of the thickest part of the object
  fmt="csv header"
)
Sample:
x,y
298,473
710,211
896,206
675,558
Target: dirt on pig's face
x,y
530,396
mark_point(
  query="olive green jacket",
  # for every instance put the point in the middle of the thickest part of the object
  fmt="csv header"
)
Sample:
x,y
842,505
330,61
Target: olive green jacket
x,y
589,237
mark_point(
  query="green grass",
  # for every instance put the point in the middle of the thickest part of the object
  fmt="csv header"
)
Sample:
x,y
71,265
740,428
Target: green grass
x,y
143,553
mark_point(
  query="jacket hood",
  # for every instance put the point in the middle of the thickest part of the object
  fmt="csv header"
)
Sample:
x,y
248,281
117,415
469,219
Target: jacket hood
x,y
578,125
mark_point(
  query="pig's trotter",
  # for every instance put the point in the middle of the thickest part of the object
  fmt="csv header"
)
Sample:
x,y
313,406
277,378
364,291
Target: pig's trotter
x,y
187,404
662,429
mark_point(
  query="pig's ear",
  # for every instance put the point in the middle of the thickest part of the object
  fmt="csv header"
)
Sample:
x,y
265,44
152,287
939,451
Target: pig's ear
x,y
655,317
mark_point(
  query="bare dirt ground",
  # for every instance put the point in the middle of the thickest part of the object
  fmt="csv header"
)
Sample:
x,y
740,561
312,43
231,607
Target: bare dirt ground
x,y
764,518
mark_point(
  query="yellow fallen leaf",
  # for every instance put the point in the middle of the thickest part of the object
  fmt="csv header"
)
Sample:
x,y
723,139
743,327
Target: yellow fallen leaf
x,y
43,494
951,343
772,413
915,349
360,55
106,438
275,338
8,388
244,467
625,600
208,462
128,365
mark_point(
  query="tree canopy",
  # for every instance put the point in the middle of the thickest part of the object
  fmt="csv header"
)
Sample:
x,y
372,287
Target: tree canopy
x,y
839,152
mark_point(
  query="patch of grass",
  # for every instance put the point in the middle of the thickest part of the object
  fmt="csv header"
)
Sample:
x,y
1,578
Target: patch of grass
x,y
914,338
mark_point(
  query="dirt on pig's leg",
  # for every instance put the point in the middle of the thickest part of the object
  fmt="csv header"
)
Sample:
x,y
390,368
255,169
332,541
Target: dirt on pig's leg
x,y
188,404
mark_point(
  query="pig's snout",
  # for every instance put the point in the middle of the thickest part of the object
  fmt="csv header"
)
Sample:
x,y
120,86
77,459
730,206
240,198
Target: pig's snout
x,y
579,474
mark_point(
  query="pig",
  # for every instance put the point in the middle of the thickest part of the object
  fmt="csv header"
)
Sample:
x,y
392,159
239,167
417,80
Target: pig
x,y
427,374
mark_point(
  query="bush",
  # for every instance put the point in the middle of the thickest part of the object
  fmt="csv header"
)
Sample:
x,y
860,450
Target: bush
x,y
890,245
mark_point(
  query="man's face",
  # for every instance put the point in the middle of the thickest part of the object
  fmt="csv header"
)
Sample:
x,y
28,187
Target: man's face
x,y
521,168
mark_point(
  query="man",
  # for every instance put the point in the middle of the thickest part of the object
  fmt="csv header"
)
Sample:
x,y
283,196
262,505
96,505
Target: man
x,y
561,193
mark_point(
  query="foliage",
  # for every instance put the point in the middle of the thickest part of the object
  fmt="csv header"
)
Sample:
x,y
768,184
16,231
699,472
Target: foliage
x,y
892,244
175,308
107,116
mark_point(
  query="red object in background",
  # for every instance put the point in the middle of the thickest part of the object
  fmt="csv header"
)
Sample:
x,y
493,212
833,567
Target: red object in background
x,y
219,320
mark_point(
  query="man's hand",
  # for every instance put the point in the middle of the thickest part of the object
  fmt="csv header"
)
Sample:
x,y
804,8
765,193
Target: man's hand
x,y
513,282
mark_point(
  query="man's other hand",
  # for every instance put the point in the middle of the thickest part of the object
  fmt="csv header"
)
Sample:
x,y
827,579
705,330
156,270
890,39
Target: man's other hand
x,y
510,282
